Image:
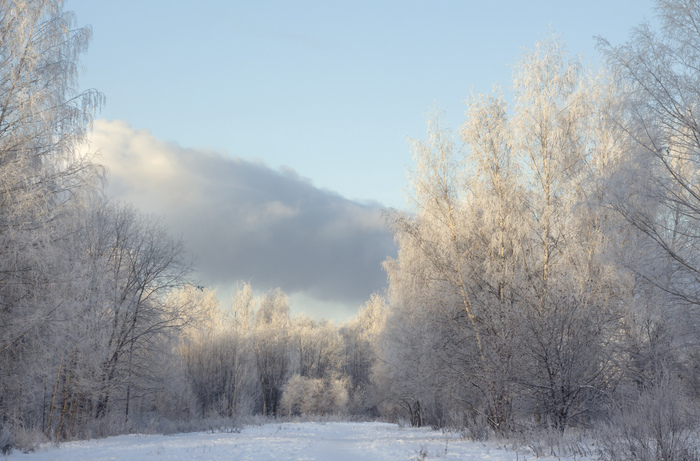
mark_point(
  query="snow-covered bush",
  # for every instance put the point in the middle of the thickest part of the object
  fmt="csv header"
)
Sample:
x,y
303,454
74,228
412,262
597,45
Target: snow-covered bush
x,y
22,439
660,425
5,441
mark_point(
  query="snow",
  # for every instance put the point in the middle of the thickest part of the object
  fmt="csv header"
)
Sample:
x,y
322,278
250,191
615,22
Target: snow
x,y
284,441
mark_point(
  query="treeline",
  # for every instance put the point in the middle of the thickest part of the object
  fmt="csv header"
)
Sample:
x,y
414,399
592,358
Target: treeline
x,y
256,358
548,273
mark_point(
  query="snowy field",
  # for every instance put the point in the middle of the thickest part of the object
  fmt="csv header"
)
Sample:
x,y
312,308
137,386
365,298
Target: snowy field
x,y
284,441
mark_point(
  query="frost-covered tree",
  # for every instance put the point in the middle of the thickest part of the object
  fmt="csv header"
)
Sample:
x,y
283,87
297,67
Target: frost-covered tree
x,y
141,265
359,340
218,360
571,306
452,285
658,191
316,347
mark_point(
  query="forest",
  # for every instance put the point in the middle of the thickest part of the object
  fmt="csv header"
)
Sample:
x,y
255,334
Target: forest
x,y
547,279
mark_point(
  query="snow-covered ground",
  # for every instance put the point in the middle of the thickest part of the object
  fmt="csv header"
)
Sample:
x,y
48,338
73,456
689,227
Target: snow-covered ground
x,y
283,441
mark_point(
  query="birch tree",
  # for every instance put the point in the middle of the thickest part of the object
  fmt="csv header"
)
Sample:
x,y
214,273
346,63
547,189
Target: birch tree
x,y
572,304
447,250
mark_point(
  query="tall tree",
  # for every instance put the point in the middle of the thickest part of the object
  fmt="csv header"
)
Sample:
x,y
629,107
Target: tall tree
x,y
141,265
570,305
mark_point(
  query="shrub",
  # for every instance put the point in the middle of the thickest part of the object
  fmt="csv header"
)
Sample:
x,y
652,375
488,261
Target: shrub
x,y
661,425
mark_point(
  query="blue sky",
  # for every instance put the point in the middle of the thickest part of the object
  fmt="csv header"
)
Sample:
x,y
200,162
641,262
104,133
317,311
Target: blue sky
x,y
325,93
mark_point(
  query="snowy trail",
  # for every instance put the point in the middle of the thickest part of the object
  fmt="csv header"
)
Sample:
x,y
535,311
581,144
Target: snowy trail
x,y
284,441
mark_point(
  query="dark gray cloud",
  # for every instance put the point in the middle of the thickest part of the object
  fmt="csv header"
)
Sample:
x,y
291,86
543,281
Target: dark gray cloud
x,y
245,221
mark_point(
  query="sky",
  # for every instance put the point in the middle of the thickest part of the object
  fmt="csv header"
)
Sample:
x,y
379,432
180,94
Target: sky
x,y
271,136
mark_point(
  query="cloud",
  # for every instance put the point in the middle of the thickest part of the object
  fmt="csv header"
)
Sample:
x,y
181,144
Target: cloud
x,y
245,221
